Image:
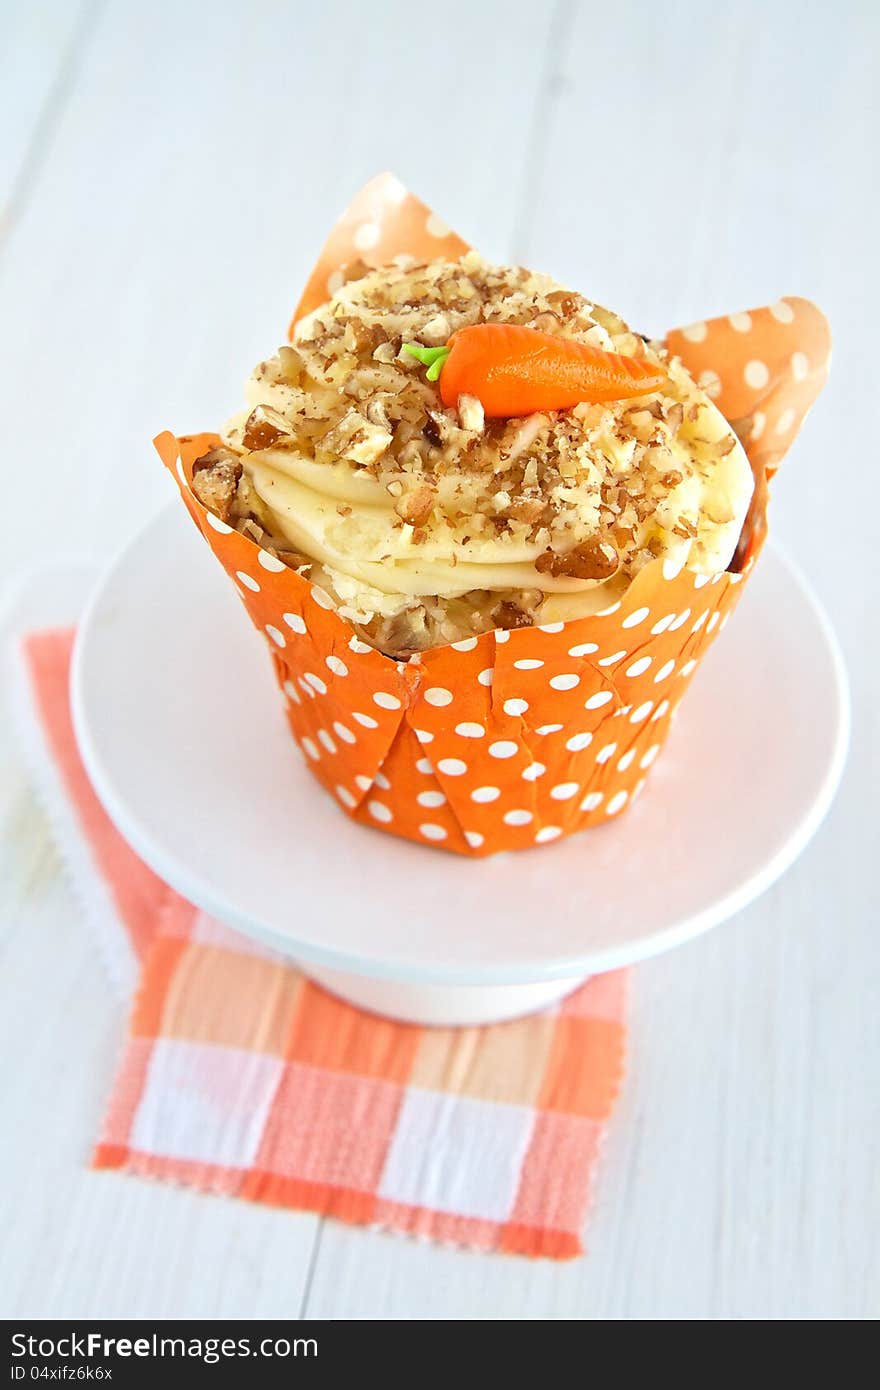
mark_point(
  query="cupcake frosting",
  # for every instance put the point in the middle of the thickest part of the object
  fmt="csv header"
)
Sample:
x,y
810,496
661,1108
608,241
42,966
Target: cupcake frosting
x,y
444,522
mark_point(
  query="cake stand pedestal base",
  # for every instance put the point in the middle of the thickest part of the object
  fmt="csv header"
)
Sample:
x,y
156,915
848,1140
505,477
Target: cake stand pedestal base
x,y
442,1006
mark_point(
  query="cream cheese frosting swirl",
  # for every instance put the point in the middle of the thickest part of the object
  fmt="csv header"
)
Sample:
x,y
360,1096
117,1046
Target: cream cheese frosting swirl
x,y
406,510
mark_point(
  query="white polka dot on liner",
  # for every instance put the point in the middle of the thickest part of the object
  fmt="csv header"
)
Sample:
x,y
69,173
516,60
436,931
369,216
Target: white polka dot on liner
x,y
660,711
515,707
550,627
423,735
295,623
612,659
341,731
502,748
346,797
452,767
606,612
567,681
432,832
358,647
311,749
800,365
782,312
617,803
366,236
713,621
363,782
701,580
641,712
756,374
638,615
436,695
662,624
277,637
382,782
316,683
323,600
270,562
699,623
502,635
649,757
695,332
786,421
386,701
483,795
466,644
583,649
306,688
436,227
673,566
638,668
326,740
291,692
486,677
468,729
336,665
528,664
547,833
605,754
425,767
591,801
564,791
533,772
741,323
431,800
247,581
680,620
517,817
759,420
602,697
379,811
474,838
217,525
546,729
665,672
335,281
625,761
365,720
577,742
710,382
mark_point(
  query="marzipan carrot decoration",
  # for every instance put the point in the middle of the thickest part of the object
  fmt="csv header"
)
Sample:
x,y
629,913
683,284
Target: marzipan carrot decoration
x,y
514,370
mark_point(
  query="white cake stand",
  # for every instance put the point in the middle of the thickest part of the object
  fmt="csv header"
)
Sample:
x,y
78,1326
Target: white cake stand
x,y
182,731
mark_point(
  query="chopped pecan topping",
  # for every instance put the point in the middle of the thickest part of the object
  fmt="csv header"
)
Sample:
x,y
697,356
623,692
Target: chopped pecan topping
x,y
264,427
215,481
415,507
594,559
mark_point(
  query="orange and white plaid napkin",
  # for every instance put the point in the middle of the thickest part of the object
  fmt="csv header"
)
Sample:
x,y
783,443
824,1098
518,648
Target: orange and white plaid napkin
x,y
240,1076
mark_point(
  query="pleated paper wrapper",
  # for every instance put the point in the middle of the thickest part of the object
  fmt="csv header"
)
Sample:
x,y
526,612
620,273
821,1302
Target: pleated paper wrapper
x,y
514,738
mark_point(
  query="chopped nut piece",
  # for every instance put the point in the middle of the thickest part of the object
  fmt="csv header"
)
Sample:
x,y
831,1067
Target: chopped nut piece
x,y
415,507
509,615
215,481
264,427
471,414
593,560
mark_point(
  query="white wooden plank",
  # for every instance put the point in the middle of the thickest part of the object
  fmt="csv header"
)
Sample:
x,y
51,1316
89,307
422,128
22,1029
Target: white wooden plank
x,y
41,41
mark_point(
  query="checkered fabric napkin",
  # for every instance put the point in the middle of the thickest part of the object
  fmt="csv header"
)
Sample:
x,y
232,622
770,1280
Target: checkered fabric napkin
x,y
240,1076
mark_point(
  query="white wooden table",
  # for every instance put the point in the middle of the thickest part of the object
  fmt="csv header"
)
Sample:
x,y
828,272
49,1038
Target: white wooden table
x,y
166,172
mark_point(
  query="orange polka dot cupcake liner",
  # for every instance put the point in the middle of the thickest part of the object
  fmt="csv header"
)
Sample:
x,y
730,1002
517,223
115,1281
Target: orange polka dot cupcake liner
x,y
514,738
